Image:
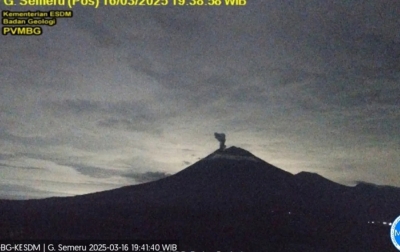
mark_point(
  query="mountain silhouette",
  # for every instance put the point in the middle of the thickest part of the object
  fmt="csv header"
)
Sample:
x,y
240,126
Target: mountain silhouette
x,y
229,201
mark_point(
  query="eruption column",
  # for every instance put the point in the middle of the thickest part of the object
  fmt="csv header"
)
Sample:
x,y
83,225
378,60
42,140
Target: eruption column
x,y
221,138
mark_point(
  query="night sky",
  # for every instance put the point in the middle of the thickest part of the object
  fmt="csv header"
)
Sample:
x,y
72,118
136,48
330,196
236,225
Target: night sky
x,y
117,96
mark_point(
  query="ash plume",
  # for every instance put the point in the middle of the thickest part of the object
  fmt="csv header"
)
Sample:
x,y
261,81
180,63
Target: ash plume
x,y
221,138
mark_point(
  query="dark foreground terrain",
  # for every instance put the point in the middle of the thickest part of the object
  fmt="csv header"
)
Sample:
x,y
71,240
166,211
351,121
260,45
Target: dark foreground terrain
x,y
228,201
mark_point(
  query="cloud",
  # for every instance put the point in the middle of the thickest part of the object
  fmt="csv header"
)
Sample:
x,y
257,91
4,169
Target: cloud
x,y
129,116
79,106
19,192
4,165
147,176
29,141
6,156
92,171
139,124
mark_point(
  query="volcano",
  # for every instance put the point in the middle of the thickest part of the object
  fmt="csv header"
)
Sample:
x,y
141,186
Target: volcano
x,y
229,201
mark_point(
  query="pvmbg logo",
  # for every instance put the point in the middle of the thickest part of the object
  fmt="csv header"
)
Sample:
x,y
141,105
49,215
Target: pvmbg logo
x,y
395,233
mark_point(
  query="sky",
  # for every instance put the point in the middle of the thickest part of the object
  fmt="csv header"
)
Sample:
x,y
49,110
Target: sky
x,y
118,96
